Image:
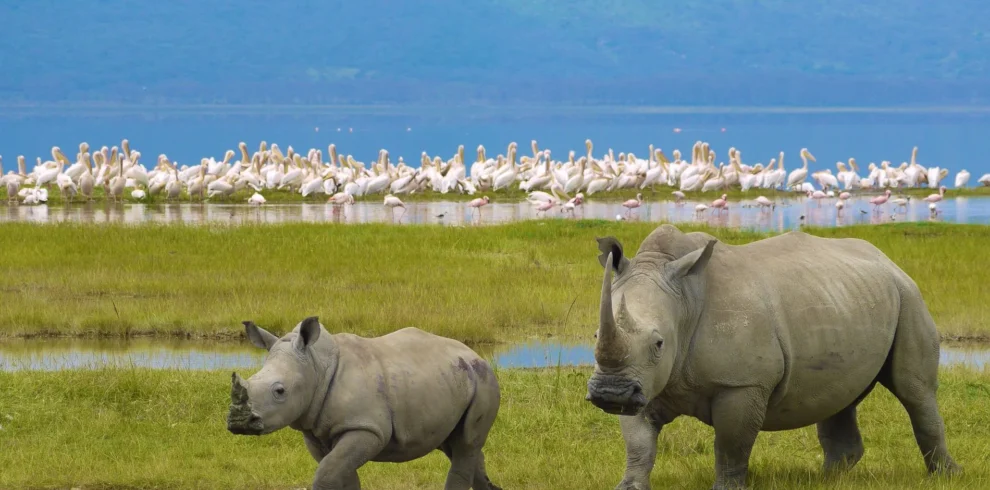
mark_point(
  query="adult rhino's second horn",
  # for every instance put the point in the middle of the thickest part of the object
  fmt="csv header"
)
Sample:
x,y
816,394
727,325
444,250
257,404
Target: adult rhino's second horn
x,y
610,348
606,321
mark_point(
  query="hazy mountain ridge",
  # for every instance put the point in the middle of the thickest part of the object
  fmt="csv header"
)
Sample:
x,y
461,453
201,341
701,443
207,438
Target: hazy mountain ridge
x,y
553,51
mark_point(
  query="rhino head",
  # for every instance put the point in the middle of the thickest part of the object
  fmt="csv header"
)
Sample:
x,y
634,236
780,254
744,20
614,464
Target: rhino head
x,y
641,313
283,390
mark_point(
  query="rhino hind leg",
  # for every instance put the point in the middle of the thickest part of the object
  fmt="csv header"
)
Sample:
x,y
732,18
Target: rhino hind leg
x,y
840,439
911,374
464,447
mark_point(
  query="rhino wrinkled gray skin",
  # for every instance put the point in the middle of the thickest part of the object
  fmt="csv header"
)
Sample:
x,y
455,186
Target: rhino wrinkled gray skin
x,y
393,398
774,335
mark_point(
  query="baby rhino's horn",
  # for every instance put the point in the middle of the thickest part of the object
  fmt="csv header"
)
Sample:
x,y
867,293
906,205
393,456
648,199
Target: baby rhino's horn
x,y
238,390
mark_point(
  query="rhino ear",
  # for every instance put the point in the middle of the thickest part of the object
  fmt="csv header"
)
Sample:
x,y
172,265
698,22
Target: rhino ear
x,y
609,245
309,332
692,263
259,336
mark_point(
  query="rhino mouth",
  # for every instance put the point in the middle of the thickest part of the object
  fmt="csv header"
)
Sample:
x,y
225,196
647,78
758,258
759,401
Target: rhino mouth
x,y
616,395
242,421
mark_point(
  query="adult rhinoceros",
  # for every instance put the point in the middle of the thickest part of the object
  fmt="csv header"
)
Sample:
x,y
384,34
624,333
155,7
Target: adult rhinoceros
x,y
774,335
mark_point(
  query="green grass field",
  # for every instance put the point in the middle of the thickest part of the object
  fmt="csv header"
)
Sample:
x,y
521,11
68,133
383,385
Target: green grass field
x,y
492,284
166,429
658,193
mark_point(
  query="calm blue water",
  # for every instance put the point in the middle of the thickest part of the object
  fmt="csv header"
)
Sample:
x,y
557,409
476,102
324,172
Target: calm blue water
x,y
947,140
60,354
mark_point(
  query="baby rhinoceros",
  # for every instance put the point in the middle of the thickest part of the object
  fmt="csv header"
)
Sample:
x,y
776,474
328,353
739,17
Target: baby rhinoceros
x,y
393,398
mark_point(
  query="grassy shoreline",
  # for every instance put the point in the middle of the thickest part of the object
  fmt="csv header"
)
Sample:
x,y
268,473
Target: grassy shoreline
x,y
658,193
494,284
130,428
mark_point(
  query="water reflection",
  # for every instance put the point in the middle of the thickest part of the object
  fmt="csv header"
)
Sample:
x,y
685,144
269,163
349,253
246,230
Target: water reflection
x,y
58,354
790,212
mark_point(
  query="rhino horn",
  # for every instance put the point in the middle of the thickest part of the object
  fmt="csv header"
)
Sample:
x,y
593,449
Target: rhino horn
x,y
606,321
238,390
610,348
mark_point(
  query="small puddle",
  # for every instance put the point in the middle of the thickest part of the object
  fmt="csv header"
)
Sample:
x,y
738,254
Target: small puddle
x,y
59,354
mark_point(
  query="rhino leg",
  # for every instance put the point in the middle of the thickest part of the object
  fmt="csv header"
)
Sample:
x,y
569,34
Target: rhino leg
x,y
464,445
841,441
480,480
640,433
314,446
911,374
464,463
737,416
338,469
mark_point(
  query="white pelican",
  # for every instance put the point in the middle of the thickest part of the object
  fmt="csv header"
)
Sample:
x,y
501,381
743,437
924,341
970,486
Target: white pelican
x,y
962,178
797,176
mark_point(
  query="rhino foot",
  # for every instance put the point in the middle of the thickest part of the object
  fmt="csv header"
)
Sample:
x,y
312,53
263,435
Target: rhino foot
x,y
729,486
947,468
631,485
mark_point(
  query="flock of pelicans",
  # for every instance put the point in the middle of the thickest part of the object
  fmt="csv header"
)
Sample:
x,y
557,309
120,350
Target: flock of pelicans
x,y
342,177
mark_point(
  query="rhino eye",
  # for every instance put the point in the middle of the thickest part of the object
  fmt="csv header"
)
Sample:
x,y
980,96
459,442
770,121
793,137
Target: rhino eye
x,y
278,391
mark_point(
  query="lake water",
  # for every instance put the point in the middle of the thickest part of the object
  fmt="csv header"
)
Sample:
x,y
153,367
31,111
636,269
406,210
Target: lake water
x,y
744,214
55,354
950,139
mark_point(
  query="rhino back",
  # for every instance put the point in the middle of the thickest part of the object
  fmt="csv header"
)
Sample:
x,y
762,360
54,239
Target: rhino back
x,y
811,319
415,385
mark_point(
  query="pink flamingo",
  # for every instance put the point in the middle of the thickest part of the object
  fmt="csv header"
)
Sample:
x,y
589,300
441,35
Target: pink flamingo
x,y
678,197
571,205
880,200
393,202
478,203
936,197
633,203
817,196
845,195
544,206
720,203
764,203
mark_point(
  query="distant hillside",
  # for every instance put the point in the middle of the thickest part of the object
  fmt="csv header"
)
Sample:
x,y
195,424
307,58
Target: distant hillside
x,y
551,51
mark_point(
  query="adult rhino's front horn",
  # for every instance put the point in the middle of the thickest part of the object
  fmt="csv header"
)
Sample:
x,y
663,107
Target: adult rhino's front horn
x,y
610,348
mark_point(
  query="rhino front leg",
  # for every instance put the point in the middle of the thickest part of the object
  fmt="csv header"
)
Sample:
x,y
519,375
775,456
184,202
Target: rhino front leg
x,y
737,416
338,469
316,448
640,433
